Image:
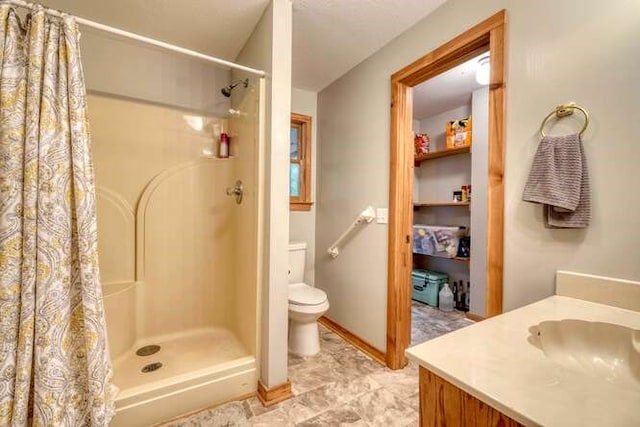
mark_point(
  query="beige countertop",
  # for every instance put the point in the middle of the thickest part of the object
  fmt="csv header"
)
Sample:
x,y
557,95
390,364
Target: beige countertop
x,y
494,361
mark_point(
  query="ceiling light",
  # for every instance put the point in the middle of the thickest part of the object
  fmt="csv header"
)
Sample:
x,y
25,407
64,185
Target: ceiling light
x,y
483,70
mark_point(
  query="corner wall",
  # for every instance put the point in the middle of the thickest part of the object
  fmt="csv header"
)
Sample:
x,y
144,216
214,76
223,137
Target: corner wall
x,y
269,49
557,52
302,225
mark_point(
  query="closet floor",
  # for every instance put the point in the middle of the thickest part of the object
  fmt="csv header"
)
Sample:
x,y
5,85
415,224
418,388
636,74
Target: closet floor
x,y
428,322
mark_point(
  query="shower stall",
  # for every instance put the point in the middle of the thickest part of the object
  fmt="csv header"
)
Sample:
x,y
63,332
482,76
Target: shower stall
x,y
179,234
178,255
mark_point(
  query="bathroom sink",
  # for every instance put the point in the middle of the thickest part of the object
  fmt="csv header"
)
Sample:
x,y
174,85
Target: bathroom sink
x,y
609,351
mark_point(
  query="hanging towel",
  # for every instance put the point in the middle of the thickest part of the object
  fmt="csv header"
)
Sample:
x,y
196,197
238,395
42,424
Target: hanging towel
x,y
559,179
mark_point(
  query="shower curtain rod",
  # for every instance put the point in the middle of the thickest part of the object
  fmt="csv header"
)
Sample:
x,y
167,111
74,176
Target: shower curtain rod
x,y
148,40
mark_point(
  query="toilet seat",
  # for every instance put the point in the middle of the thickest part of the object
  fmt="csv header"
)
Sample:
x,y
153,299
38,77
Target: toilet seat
x,y
304,295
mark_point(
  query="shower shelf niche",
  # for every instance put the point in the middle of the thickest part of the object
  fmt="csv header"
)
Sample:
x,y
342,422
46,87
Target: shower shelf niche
x,y
217,158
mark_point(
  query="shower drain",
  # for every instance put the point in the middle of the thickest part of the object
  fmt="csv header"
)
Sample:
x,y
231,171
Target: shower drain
x,y
148,350
152,367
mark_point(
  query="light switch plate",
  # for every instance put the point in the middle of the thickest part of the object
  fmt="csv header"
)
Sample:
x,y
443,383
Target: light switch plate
x,y
382,215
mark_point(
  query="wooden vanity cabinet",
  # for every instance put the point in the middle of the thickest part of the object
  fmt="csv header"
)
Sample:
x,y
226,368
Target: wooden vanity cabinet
x,y
443,404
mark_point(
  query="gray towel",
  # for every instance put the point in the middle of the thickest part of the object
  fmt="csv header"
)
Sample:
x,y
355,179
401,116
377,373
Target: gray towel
x,y
559,179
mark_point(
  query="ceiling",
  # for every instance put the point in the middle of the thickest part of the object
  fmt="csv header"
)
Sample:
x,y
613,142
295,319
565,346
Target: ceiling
x,y
215,27
446,91
329,36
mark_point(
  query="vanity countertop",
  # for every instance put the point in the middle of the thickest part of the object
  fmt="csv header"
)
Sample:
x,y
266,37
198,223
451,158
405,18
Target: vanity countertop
x,y
494,361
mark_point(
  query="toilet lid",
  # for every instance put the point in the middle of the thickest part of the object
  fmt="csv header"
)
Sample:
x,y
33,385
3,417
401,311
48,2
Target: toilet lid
x,y
302,294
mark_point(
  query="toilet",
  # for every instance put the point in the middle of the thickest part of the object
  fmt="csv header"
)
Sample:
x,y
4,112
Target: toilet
x,y
306,305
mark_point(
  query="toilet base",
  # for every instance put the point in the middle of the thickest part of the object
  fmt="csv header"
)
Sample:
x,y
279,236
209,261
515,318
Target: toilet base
x,y
304,339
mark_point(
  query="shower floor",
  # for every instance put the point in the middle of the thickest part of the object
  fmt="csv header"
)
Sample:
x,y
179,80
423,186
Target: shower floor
x,y
181,356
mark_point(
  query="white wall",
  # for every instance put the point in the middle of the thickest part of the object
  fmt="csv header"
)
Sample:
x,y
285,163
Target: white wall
x,y
302,225
574,50
269,48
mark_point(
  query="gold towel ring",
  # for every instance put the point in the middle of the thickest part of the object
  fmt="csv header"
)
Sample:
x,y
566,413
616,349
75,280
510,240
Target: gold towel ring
x,y
564,111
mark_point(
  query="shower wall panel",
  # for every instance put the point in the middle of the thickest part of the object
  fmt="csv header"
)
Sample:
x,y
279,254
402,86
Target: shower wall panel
x,y
165,226
245,142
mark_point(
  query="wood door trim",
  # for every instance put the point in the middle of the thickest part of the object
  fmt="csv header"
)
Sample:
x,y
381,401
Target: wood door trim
x,y
495,190
399,248
487,35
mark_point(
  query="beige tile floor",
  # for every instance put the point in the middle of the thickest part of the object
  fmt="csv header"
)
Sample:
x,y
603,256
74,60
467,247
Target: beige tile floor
x,y
338,386
428,322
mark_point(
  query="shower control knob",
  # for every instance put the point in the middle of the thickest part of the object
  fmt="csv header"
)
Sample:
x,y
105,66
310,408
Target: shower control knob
x,y
236,191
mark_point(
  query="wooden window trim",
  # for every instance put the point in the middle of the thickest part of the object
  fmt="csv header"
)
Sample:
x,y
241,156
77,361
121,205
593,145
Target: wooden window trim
x,y
303,201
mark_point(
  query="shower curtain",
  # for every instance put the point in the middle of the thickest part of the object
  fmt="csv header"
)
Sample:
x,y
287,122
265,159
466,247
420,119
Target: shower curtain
x,y
54,361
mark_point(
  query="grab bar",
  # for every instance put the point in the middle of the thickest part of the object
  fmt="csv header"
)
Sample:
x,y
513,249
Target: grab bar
x,y
366,216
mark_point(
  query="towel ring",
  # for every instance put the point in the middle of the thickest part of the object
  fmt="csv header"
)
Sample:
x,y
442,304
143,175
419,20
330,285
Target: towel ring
x,y
564,111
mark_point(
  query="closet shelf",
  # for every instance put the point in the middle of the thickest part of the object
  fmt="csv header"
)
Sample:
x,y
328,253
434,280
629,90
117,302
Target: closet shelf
x,y
439,204
461,259
443,153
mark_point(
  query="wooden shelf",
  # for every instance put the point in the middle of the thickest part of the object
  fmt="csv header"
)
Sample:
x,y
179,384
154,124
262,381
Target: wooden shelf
x,y
440,204
461,259
443,153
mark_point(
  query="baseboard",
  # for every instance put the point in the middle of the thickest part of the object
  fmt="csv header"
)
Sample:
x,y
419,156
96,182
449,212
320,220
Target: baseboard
x,y
354,340
273,395
472,316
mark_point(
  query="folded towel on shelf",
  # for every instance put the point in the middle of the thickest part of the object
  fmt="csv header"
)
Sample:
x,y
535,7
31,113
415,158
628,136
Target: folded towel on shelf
x,y
559,179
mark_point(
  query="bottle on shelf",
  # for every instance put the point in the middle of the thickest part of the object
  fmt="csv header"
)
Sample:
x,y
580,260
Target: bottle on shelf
x,y
455,294
223,151
468,297
462,297
445,299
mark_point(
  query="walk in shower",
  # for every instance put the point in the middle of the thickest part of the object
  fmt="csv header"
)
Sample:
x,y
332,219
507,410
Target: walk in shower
x,y
178,256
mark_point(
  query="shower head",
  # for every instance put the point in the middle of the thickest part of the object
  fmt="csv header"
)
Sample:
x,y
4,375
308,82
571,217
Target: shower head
x,y
226,91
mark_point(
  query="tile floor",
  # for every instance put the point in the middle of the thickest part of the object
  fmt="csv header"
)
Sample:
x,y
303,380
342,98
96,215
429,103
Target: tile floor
x,y
338,386
428,322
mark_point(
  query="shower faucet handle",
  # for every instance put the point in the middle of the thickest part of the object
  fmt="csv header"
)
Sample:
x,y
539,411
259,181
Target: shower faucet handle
x,y
236,191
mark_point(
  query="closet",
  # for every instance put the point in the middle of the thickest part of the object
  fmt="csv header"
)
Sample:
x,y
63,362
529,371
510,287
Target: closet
x,y
453,96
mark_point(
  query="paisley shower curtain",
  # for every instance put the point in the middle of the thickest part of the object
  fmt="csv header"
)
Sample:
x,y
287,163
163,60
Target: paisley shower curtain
x,y
54,361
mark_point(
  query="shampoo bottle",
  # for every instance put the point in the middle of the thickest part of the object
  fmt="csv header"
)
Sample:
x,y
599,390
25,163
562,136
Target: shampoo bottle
x,y
223,151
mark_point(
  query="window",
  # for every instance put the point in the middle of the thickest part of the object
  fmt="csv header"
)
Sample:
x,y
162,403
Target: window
x,y
300,163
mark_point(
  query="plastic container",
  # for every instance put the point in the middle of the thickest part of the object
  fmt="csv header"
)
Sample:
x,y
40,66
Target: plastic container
x,y
446,299
436,240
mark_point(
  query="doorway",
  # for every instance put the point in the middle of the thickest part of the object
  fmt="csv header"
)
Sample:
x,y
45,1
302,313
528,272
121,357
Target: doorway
x,y
488,36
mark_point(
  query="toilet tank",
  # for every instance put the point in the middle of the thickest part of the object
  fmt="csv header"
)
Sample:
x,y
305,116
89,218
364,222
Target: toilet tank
x,y
297,256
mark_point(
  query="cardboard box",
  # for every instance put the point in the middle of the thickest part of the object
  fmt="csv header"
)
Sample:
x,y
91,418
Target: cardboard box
x,y
459,133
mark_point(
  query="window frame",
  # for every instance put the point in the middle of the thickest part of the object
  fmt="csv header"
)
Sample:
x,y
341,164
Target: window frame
x,y
302,202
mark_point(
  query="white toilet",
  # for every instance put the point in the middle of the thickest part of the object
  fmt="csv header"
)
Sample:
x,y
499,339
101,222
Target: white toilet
x,y
306,305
